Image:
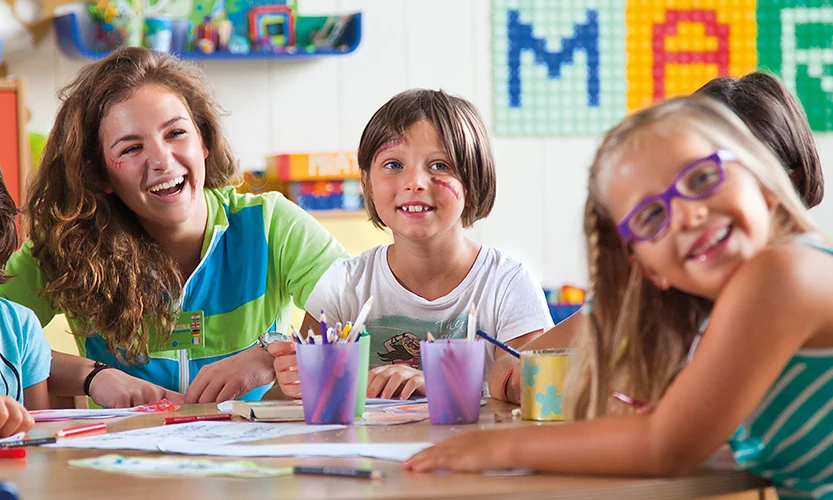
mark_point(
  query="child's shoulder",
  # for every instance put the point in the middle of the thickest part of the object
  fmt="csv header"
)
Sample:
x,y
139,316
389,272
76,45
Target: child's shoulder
x,y
791,271
365,262
16,317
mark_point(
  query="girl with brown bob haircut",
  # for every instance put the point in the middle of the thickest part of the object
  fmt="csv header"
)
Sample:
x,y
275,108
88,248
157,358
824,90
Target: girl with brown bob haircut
x,y
428,173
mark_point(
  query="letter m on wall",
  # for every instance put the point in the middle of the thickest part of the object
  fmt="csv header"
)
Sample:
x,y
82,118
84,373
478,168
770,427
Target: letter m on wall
x,y
559,66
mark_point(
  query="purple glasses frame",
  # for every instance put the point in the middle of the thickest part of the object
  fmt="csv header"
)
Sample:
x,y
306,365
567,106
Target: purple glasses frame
x,y
718,157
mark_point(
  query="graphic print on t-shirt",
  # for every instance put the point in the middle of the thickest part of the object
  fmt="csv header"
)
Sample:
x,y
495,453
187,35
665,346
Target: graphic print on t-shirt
x,y
395,339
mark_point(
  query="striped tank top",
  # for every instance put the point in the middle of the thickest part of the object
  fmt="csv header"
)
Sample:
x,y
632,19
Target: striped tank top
x,y
789,437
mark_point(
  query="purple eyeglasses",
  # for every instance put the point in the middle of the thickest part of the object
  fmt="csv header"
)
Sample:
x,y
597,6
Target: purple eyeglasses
x,y
695,181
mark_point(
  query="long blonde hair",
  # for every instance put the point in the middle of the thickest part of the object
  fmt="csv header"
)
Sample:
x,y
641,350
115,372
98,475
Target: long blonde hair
x,y
639,335
100,266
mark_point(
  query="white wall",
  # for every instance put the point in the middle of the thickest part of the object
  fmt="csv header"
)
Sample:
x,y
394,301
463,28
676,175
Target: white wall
x,y
323,105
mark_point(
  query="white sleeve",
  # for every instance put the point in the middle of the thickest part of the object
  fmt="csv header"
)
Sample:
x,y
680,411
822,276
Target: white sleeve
x,y
325,295
522,307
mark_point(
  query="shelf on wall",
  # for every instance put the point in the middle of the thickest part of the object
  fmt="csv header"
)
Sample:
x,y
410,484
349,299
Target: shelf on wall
x,y
75,34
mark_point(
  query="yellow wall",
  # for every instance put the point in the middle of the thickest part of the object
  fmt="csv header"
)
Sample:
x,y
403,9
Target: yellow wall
x,y
352,230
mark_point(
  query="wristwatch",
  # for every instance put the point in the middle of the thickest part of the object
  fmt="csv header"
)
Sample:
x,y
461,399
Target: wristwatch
x,y
269,337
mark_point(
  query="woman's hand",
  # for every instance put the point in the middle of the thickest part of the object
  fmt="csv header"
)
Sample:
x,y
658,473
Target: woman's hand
x,y
286,368
391,381
113,388
13,417
468,452
231,377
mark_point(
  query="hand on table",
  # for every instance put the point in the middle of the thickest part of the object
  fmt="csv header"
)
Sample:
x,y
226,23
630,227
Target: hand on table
x,y
231,377
468,452
13,417
399,380
286,368
113,388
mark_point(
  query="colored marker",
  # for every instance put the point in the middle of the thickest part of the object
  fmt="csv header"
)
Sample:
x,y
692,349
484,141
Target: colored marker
x,y
28,442
81,429
333,471
13,453
197,418
498,343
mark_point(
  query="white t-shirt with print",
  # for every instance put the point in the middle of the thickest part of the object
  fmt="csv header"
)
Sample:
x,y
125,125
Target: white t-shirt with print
x,y
509,302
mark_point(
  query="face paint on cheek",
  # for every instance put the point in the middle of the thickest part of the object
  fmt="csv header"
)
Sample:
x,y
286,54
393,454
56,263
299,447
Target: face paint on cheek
x,y
117,163
447,186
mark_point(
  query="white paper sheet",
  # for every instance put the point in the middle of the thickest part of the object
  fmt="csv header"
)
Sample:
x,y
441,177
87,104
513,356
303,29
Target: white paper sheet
x,y
13,437
205,432
386,451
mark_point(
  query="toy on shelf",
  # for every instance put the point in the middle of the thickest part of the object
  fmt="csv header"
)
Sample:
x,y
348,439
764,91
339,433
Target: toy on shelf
x,y
315,181
243,29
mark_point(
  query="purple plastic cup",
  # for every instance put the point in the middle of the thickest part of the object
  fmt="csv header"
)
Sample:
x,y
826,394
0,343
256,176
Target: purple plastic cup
x,y
453,370
328,381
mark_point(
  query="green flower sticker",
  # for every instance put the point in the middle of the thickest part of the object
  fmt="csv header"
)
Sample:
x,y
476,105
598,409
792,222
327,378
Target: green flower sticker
x,y
550,401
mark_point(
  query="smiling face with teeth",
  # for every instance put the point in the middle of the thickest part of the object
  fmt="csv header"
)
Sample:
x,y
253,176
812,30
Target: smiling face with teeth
x,y
155,160
706,240
414,187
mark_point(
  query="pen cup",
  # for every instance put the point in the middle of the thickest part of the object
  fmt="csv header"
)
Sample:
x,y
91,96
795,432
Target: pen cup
x,y
453,370
158,33
328,381
361,374
543,373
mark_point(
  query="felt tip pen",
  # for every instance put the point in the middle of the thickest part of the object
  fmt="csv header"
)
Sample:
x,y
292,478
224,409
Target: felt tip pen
x,y
498,343
81,429
28,442
197,418
13,453
334,471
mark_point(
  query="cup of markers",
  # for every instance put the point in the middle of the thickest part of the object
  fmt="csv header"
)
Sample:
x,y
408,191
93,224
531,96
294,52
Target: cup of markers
x,y
327,372
453,370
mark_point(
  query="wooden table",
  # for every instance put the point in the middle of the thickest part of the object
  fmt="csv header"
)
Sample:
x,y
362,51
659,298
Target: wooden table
x,y
44,474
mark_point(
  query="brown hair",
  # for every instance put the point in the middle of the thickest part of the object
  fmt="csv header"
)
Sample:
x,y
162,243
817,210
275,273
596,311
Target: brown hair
x,y
461,131
8,228
99,264
640,334
777,118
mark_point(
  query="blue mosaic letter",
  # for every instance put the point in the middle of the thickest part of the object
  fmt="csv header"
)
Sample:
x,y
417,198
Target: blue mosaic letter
x,y
521,38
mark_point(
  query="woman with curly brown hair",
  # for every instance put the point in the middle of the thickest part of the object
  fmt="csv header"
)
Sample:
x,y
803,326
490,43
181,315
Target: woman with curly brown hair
x,y
163,270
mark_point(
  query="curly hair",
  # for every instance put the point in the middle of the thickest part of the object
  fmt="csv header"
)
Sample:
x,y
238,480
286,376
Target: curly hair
x,y
777,119
639,335
100,266
462,132
8,228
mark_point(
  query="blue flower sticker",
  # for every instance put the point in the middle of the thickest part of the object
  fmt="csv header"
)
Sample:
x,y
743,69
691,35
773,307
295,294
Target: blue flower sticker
x,y
528,372
550,401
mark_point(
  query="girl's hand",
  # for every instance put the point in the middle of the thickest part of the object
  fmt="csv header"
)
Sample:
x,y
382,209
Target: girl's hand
x,y
389,381
468,452
231,377
113,388
13,417
286,368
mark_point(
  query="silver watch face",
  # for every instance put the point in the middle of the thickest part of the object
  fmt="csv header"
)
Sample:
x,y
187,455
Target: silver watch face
x,y
269,337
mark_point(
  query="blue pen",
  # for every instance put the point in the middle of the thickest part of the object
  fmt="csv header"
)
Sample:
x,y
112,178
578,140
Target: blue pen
x,y
322,325
498,343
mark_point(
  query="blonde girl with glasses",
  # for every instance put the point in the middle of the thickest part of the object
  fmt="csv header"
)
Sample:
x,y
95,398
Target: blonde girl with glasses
x,y
689,215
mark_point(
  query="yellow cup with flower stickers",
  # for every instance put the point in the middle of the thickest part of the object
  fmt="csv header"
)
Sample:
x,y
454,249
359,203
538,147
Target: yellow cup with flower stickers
x,y
543,375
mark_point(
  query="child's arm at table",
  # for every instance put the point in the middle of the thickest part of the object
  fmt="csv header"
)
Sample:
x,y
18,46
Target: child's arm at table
x,y
36,396
772,306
